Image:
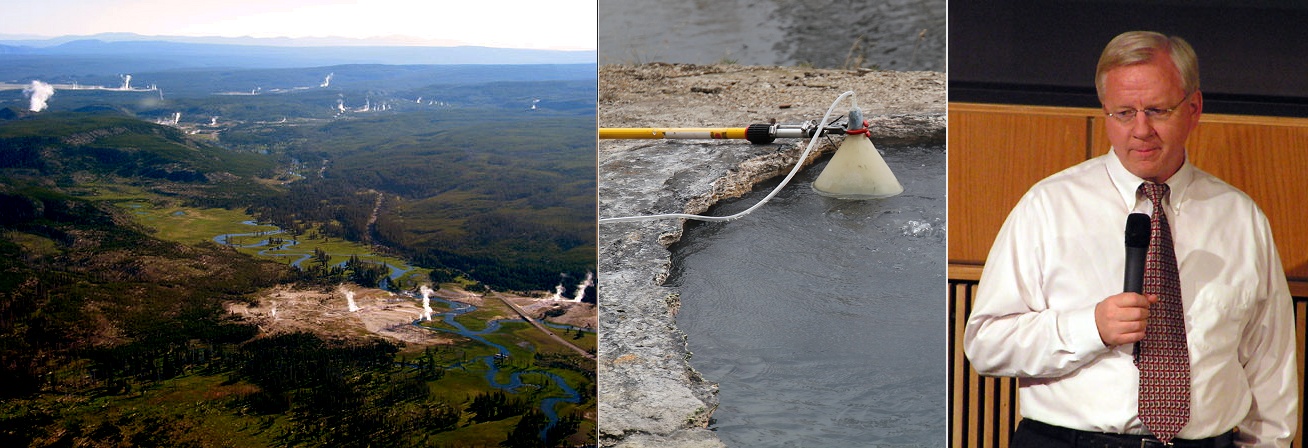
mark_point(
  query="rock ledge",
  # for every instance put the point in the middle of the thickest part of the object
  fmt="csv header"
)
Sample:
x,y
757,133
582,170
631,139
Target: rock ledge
x,y
649,396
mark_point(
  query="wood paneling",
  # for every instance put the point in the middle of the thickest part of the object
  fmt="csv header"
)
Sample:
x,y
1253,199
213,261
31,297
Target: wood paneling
x,y
1301,329
1269,162
996,152
983,411
995,155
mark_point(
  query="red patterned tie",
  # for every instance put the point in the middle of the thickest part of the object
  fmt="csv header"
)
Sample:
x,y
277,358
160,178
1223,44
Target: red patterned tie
x,y
1164,360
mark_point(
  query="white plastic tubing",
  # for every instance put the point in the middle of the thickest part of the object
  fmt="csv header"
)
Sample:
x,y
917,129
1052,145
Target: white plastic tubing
x,y
812,142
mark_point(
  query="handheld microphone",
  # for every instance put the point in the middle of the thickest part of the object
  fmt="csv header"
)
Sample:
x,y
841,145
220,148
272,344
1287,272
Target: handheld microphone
x,y
1137,246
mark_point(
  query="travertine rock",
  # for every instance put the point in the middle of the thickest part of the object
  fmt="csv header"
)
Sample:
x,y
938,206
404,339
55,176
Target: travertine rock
x,y
649,395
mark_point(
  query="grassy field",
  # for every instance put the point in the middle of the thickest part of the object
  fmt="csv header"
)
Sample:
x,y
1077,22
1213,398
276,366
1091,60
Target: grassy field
x,y
189,225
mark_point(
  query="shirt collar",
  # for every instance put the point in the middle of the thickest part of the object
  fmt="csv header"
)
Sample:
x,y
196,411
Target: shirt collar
x,y
1127,184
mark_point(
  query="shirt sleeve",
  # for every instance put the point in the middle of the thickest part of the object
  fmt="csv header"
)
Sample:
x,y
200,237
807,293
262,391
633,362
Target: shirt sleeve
x,y
1267,352
1012,331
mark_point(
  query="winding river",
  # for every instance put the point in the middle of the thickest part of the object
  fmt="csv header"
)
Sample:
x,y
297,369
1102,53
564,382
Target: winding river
x,y
287,248
547,405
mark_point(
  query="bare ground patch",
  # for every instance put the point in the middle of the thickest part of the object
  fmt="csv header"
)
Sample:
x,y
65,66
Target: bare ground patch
x,y
327,313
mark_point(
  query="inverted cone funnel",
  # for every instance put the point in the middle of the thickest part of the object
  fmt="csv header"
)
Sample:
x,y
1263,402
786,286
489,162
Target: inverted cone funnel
x,y
857,171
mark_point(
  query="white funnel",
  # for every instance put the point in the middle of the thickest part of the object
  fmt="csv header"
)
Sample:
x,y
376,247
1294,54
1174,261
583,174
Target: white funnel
x,y
857,171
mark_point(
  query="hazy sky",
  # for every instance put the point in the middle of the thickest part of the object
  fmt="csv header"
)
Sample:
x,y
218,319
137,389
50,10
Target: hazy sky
x,y
542,24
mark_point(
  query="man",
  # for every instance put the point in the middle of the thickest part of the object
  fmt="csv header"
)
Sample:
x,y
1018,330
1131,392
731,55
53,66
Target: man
x,y
1050,308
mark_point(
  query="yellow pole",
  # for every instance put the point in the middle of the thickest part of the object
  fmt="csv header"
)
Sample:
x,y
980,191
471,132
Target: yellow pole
x,y
673,133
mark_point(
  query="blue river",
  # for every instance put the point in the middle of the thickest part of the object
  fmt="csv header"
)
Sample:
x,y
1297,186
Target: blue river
x,y
547,405
287,248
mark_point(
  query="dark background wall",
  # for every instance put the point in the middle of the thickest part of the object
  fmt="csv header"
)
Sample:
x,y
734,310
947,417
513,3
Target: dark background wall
x,y
1253,55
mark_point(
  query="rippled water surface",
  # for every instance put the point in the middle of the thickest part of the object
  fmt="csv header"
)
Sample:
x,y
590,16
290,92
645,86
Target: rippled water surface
x,y
888,34
823,321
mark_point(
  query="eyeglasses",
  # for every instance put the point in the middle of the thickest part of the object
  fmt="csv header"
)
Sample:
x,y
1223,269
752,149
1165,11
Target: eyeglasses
x,y
1151,113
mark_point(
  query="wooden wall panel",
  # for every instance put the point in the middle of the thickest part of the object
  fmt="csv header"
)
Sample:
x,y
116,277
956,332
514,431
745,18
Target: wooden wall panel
x,y
958,367
995,154
1269,162
1301,330
983,411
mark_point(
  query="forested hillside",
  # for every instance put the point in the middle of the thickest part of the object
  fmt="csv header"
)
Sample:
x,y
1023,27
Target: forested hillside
x,y
492,176
462,189
114,333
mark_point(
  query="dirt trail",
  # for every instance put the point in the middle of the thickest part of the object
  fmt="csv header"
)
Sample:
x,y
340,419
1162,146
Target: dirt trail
x,y
536,323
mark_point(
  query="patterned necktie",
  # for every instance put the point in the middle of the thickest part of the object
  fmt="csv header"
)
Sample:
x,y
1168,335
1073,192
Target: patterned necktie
x,y
1164,360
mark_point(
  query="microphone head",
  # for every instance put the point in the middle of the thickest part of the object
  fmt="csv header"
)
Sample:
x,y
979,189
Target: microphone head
x,y
1137,230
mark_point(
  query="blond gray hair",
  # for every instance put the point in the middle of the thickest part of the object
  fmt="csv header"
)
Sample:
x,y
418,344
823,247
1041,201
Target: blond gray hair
x,y
1137,47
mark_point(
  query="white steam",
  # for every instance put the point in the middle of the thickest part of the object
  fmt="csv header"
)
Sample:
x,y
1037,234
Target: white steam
x,y
349,297
426,302
581,287
328,81
127,81
39,92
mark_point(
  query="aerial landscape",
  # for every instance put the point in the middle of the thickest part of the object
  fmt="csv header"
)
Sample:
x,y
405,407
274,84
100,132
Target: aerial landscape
x,y
235,243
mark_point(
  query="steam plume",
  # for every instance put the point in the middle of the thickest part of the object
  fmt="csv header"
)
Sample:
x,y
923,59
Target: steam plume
x,y
426,302
39,93
581,287
127,82
349,297
558,292
328,81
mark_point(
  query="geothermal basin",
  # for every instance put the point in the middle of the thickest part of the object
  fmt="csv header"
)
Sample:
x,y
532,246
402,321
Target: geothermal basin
x,y
652,390
821,319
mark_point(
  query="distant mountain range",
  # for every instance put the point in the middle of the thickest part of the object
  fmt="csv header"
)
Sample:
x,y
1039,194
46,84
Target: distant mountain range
x,y
199,52
394,41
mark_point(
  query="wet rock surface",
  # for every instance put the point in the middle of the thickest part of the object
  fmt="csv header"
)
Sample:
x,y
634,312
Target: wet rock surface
x,y
648,393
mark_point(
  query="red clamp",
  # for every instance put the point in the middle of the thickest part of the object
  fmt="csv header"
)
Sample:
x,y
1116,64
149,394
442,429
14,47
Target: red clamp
x,y
864,130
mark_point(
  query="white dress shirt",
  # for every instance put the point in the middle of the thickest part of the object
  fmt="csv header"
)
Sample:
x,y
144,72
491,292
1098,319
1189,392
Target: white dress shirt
x,y
1062,251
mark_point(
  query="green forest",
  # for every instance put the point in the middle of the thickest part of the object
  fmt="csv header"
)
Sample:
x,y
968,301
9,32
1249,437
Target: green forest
x,y
462,190
111,335
504,194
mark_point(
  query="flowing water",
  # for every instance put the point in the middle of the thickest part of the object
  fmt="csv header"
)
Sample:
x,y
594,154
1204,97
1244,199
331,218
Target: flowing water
x,y
887,34
288,248
515,380
822,320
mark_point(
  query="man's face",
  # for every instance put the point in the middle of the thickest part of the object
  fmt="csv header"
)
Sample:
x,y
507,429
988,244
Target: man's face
x,y
1150,148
